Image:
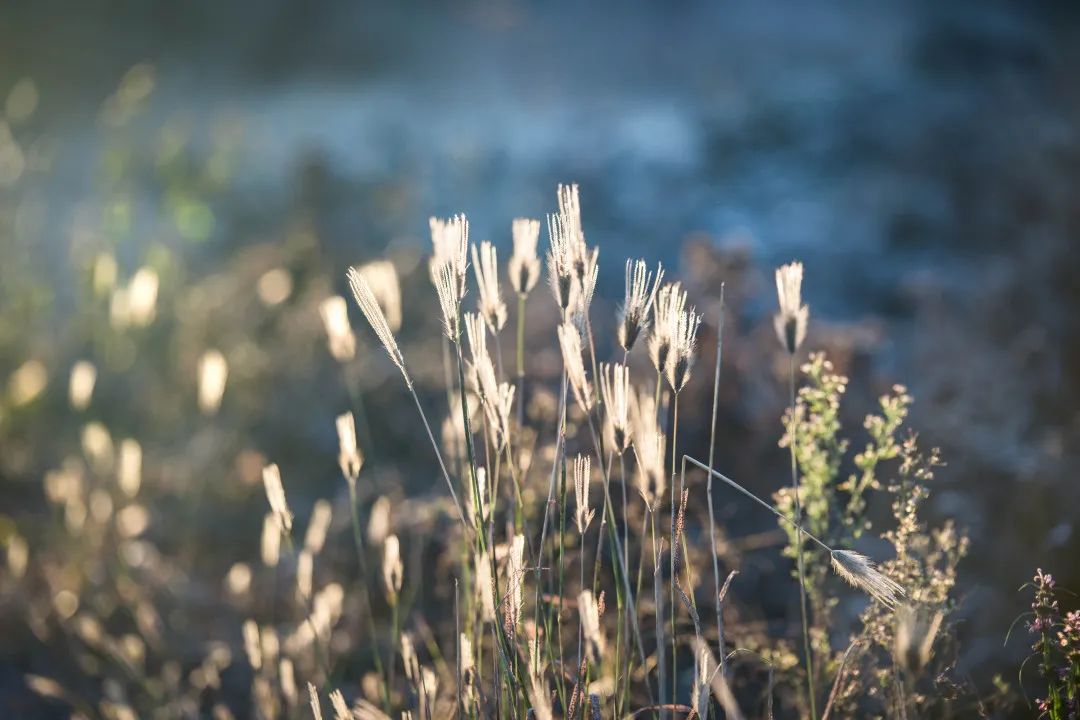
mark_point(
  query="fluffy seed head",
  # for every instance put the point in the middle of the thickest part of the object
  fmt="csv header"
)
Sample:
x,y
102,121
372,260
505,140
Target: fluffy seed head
x,y
483,501
564,288
515,572
379,521
587,283
640,293
213,372
318,525
570,211
486,269
275,494
582,475
589,613
477,338
270,544
859,572
316,706
649,446
615,391
340,339
450,242
129,467
680,357
524,266
305,567
498,402
252,647
392,570
570,342
341,708
349,457
484,587
670,303
790,322
449,300
81,384
373,312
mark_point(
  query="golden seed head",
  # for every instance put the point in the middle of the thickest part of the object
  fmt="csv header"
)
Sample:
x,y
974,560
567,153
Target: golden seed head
x,y
859,572
574,364
790,322
524,266
582,477
275,494
373,312
486,269
340,339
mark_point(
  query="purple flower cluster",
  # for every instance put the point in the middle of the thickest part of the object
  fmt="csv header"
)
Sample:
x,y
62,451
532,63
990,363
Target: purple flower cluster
x,y
1057,644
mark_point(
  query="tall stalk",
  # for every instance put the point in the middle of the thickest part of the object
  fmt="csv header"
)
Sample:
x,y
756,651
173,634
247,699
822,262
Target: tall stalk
x,y
720,649
671,555
365,579
810,685
521,359
618,552
560,453
438,454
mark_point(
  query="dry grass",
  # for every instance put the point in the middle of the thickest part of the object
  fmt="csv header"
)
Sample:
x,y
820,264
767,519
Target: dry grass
x,y
538,469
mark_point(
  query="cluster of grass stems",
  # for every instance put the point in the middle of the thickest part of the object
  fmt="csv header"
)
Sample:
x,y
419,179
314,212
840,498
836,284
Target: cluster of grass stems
x,y
575,595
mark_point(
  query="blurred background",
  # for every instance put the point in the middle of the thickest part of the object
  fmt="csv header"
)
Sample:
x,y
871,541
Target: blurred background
x,y
224,163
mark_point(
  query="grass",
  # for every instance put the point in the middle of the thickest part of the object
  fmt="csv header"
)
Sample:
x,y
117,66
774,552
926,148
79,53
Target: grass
x,y
523,473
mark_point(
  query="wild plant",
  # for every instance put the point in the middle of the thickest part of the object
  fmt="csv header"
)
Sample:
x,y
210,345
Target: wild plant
x,y
531,494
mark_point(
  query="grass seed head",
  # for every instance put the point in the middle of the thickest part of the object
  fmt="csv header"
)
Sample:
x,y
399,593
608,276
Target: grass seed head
x,y
574,364
790,322
340,339
670,304
486,269
373,312
275,494
349,457
615,391
524,266
680,357
582,477
859,572
213,372
641,289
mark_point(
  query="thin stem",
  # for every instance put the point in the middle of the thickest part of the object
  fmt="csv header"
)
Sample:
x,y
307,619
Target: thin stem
x,y
671,555
470,450
361,555
793,523
600,537
658,618
435,447
559,453
721,650
521,361
810,685
618,552
309,611
457,652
